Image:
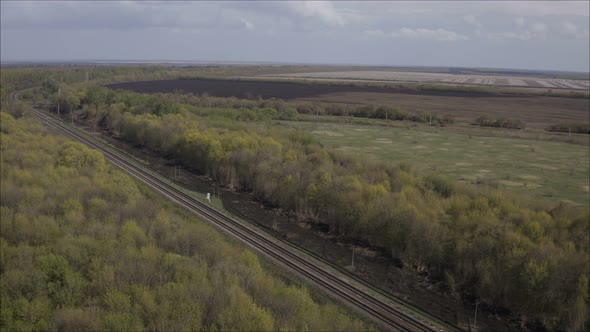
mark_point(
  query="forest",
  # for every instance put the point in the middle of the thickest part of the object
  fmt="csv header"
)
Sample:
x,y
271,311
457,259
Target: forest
x,y
485,244
83,247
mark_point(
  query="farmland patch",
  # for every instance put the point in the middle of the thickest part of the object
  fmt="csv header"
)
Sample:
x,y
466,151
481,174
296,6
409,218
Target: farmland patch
x,y
424,77
536,112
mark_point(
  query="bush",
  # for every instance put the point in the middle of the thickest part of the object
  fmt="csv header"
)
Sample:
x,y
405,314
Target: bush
x,y
576,128
485,121
440,184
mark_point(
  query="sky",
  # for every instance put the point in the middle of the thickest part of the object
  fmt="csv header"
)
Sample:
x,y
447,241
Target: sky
x,y
544,35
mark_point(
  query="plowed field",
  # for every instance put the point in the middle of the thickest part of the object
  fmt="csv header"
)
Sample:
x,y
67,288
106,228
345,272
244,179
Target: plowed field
x,y
535,111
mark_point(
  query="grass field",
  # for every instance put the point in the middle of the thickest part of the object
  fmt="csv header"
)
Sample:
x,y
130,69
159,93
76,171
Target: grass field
x,y
550,171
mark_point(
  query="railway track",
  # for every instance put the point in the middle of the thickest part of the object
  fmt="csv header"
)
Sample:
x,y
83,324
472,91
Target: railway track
x,y
383,313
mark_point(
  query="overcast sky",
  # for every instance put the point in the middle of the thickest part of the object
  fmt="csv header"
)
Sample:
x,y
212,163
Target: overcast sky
x,y
551,35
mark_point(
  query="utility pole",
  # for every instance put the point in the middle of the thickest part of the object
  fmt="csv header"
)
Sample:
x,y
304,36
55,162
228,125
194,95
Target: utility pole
x,y
58,100
475,318
277,212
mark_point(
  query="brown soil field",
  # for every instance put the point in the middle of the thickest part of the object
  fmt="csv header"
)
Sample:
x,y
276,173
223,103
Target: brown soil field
x,y
535,111
266,89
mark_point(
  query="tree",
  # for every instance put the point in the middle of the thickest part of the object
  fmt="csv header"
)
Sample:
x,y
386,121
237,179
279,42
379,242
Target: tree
x,y
77,155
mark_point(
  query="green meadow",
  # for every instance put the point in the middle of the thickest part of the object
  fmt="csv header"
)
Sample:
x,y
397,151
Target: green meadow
x,y
551,171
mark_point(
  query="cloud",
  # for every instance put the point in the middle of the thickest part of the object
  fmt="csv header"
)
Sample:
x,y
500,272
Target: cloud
x,y
509,35
544,8
374,33
533,33
323,10
428,34
247,24
570,29
519,35
137,15
539,28
471,19
441,35
124,15
523,31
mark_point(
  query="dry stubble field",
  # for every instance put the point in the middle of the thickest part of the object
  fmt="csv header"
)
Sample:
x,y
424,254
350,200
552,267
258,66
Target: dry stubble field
x,y
472,79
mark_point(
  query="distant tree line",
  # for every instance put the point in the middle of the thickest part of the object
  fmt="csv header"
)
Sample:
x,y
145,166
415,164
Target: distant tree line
x,y
294,108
